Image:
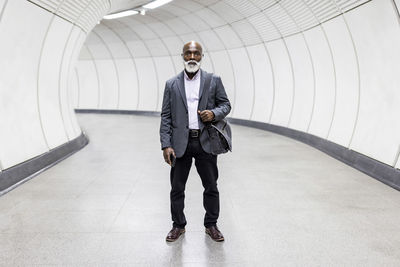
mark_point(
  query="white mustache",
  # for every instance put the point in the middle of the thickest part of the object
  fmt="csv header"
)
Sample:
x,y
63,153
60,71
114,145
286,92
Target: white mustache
x,y
192,62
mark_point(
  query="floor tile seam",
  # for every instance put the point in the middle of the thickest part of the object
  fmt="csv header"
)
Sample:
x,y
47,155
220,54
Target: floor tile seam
x,y
123,205
80,193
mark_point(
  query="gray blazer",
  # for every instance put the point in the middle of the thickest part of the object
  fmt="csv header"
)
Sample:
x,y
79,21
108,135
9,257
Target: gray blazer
x,y
174,130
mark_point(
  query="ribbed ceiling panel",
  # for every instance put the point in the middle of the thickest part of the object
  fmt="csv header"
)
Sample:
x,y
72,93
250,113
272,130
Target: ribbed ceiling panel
x,y
264,27
83,13
246,8
323,9
281,20
227,12
212,17
264,4
246,32
300,13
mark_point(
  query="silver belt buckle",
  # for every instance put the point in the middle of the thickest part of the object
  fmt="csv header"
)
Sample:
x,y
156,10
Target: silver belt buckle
x,y
194,134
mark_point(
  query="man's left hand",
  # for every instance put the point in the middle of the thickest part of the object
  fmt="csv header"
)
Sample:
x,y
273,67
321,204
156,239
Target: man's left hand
x,y
206,115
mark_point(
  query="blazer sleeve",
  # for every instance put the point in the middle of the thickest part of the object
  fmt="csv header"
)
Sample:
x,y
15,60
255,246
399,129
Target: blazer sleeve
x,y
222,104
165,125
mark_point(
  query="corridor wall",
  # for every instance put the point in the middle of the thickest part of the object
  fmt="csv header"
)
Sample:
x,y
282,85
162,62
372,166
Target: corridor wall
x,y
40,44
328,68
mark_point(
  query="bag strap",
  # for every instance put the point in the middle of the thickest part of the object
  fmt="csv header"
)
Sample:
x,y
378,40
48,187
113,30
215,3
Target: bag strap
x,y
206,89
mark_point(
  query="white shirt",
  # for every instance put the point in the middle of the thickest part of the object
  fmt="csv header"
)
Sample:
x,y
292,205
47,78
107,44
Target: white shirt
x,y
192,88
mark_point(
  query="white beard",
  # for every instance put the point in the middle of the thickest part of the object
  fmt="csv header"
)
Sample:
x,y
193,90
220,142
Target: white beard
x,y
190,67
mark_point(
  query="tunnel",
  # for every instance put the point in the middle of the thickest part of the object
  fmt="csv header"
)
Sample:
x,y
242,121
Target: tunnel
x,y
313,176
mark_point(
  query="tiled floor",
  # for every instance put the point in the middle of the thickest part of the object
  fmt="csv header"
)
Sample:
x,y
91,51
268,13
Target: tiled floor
x,y
283,203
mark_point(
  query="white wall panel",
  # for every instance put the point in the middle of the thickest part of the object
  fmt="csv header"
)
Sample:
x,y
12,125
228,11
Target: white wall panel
x,y
213,42
189,37
347,81
129,89
206,63
156,47
213,19
165,71
21,136
89,87
161,29
85,53
178,62
97,48
148,99
244,81
73,87
70,54
114,43
304,82
122,30
283,83
178,26
49,83
140,29
325,82
78,43
109,90
174,45
377,40
264,84
190,19
223,68
138,49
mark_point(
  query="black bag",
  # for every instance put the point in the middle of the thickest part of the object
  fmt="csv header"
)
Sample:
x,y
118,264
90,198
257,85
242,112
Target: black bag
x,y
220,135
219,131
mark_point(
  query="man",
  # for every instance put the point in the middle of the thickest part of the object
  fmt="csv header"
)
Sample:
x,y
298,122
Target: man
x,y
184,136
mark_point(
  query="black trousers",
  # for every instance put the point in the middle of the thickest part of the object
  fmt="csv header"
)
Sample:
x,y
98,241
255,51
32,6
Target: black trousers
x,y
206,165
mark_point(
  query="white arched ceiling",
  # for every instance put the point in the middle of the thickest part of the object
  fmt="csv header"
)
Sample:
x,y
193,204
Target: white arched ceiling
x,y
328,68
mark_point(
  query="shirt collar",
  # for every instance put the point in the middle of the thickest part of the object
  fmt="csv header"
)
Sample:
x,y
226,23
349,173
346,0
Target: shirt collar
x,y
195,76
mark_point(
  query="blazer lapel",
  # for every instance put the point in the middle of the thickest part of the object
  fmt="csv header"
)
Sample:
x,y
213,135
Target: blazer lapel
x,y
181,87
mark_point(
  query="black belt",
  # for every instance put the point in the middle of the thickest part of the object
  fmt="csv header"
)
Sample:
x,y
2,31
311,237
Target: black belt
x,y
194,133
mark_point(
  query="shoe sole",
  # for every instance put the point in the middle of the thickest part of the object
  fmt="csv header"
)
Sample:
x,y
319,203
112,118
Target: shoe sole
x,y
215,239
172,240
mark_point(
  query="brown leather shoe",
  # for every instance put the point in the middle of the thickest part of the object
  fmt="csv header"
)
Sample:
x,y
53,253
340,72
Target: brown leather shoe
x,y
174,234
215,234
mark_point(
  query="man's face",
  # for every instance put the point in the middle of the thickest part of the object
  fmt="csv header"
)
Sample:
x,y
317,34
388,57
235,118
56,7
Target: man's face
x,y
192,55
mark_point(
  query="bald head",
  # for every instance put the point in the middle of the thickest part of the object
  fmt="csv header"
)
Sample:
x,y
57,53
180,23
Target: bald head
x,y
192,45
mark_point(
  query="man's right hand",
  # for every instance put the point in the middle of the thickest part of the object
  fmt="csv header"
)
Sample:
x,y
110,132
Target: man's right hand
x,y
167,154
